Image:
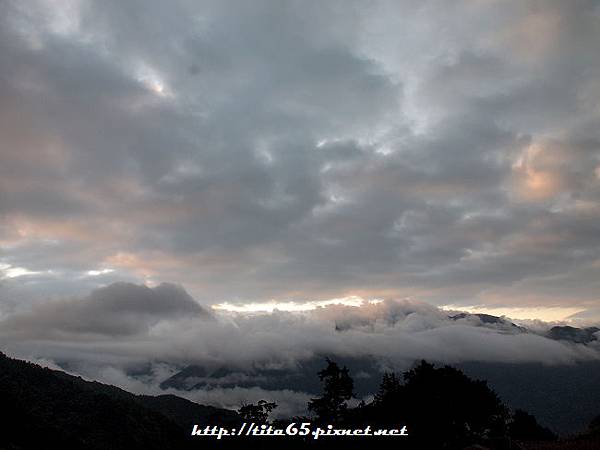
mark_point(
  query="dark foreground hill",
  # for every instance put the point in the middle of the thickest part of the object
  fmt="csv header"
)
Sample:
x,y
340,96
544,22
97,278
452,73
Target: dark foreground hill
x,y
44,408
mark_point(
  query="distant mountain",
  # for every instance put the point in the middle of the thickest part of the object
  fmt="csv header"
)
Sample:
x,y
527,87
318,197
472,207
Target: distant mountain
x,y
44,408
488,319
573,334
557,333
186,413
302,377
562,397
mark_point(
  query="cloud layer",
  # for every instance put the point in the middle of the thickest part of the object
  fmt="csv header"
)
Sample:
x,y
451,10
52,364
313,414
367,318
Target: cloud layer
x,y
128,326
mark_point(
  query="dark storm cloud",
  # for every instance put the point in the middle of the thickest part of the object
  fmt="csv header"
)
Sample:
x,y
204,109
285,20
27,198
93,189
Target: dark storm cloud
x,y
267,150
119,309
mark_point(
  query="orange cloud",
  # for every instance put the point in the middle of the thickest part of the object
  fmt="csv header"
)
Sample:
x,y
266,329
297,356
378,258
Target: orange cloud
x,y
537,173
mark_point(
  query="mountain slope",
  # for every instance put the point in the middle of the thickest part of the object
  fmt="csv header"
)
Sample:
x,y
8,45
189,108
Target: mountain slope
x,y
51,408
573,334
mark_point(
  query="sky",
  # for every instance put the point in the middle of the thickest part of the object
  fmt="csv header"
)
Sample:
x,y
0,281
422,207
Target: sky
x,y
289,155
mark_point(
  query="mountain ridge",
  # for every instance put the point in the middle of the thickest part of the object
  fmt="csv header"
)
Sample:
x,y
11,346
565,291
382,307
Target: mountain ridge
x,y
52,408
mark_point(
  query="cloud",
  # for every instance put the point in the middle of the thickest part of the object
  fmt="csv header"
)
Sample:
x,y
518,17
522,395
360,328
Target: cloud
x,y
125,326
137,337
117,310
283,152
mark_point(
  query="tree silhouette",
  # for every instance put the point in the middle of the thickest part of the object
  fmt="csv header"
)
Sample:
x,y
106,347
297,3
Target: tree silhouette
x,y
445,399
387,408
594,426
389,389
258,413
524,427
442,407
338,388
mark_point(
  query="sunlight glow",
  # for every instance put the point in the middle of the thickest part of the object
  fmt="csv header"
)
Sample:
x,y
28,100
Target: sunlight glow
x,y
95,273
13,272
547,314
292,306
152,80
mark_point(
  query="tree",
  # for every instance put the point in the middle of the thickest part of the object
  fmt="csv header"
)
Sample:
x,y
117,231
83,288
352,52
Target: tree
x,y
594,426
338,388
524,427
386,409
389,389
462,411
257,413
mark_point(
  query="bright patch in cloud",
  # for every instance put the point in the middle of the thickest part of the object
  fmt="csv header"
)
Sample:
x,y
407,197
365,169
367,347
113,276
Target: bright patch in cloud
x,y
13,272
273,305
151,79
548,314
95,273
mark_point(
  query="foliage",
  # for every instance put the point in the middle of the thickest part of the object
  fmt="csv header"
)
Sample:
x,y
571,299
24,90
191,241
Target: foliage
x,y
389,389
525,427
257,413
594,426
442,407
338,388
